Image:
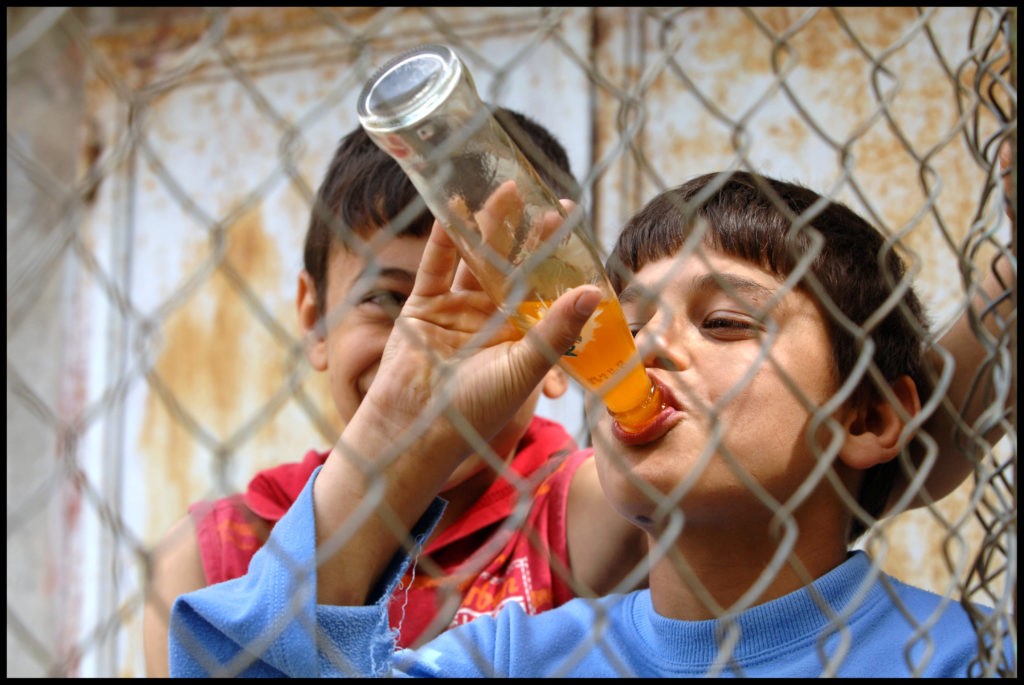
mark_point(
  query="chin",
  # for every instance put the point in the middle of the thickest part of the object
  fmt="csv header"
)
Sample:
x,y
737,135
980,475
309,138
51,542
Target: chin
x,y
466,470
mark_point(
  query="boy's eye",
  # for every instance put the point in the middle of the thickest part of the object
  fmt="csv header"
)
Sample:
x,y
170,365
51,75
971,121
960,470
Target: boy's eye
x,y
388,300
732,326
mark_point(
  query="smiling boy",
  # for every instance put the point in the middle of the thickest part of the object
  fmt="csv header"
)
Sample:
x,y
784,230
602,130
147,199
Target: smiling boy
x,y
792,374
527,523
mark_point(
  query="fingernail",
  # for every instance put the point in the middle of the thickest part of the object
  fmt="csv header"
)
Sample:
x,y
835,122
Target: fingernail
x,y
587,302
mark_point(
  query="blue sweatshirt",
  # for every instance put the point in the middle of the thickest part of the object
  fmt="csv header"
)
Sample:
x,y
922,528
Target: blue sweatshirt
x,y
267,623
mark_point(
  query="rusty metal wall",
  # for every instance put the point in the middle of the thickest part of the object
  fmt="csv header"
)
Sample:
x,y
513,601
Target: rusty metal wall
x,y
161,165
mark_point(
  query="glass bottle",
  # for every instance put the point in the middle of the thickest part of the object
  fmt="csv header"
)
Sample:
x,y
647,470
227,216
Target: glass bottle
x,y
423,109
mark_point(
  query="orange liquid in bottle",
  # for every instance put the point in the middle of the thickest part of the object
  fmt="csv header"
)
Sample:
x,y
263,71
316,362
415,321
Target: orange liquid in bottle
x,y
604,360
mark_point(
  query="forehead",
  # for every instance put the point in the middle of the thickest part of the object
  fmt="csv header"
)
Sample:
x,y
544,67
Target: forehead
x,y
683,281
695,285
378,257
703,270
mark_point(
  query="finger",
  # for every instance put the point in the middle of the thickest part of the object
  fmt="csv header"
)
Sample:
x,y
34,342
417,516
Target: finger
x,y
502,209
465,279
437,265
553,222
550,223
504,200
558,330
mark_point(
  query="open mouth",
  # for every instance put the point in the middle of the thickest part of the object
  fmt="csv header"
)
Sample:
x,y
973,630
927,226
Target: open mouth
x,y
670,414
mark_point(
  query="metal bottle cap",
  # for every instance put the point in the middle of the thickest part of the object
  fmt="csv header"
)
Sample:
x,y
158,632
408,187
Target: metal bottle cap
x,y
408,88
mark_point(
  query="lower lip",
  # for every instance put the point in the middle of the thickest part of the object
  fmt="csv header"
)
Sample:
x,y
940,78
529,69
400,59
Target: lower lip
x,y
651,431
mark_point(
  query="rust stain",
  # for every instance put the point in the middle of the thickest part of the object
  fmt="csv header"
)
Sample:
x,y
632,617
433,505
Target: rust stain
x,y
145,38
602,28
252,251
919,541
704,141
91,157
168,451
879,28
821,42
217,363
223,366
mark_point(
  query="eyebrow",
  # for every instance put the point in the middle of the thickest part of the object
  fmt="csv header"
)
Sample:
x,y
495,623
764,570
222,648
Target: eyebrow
x,y
707,283
371,272
731,283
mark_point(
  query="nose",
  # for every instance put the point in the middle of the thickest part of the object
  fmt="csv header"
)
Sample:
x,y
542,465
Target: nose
x,y
661,346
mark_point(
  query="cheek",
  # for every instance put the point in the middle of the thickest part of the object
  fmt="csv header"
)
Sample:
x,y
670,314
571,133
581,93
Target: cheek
x,y
764,399
358,364
353,361
766,422
785,386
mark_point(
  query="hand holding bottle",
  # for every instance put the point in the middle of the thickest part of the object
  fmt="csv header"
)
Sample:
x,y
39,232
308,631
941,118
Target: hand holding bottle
x,y
451,354
422,108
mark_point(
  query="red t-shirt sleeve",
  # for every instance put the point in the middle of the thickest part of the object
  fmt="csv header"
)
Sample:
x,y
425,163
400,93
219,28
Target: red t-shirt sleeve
x,y
228,534
230,530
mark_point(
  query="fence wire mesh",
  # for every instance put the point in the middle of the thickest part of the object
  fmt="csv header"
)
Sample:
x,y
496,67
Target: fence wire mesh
x,y
161,169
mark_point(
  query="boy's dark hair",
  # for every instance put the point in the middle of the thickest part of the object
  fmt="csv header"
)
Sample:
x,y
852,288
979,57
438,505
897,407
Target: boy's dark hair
x,y
365,190
764,221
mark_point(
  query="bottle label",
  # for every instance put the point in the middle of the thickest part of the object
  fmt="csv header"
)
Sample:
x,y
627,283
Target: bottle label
x,y
603,348
395,146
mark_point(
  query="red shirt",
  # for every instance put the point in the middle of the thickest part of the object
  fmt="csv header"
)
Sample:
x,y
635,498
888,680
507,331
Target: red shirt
x,y
490,556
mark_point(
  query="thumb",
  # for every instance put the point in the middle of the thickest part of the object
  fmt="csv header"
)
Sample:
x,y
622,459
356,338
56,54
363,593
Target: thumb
x,y
556,332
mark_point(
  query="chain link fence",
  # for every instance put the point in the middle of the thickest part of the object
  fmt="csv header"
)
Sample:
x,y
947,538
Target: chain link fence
x,y
161,167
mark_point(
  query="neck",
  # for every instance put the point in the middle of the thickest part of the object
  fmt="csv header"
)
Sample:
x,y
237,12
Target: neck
x,y
708,572
464,495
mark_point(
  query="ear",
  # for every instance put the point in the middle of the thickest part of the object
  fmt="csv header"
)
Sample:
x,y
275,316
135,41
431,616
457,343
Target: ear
x,y
310,323
874,428
555,383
